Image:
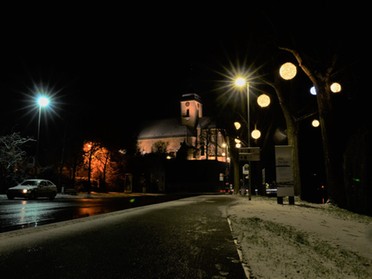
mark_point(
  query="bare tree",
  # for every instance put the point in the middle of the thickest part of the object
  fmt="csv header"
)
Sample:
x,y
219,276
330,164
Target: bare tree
x,y
90,148
322,82
292,130
12,156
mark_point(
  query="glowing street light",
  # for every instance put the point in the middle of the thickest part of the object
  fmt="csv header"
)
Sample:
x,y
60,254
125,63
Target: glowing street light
x,y
242,82
42,101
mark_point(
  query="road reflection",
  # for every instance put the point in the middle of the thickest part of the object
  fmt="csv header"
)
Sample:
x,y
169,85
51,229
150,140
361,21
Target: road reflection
x,y
19,213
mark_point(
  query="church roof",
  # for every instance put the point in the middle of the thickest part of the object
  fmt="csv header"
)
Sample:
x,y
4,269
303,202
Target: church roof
x,y
164,128
171,127
190,96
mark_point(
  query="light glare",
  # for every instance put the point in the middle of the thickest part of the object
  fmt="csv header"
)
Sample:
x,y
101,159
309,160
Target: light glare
x,y
43,101
240,82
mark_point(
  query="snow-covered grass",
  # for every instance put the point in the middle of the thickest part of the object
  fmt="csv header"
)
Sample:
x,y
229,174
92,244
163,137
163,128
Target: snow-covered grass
x,y
303,240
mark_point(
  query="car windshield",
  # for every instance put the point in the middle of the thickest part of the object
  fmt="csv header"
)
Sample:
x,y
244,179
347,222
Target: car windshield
x,y
30,182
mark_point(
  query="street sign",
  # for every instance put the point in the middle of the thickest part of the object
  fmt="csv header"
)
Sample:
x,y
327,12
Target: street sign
x,y
249,154
246,169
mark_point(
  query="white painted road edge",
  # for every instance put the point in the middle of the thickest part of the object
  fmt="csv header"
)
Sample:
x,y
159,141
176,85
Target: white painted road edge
x,y
245,266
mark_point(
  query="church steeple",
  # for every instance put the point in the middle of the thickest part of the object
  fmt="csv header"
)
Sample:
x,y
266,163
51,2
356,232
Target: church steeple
x,y
191,110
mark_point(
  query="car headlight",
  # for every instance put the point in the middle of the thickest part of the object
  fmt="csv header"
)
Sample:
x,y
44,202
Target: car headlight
x,y
24,191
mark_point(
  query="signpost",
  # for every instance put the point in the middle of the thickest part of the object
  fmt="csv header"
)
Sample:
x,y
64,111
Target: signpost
x,y
249,154
284,172
246,169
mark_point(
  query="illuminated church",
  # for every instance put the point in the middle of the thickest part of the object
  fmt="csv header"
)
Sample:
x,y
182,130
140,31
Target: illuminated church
x,y
191,136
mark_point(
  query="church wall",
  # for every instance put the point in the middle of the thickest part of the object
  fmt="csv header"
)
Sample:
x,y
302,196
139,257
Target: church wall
x,y
146,146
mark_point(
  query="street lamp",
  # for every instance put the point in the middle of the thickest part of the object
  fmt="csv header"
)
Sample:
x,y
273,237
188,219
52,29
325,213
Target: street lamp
x,y
242,82
42,101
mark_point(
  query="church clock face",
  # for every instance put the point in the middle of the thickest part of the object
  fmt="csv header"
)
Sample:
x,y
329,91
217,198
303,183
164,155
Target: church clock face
x,y
187,104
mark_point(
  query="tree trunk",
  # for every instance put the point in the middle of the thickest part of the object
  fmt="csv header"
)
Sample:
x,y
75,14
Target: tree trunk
x,y
292,134
332,162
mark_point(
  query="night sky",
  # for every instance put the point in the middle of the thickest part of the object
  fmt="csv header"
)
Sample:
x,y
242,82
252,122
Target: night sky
x,y
108,68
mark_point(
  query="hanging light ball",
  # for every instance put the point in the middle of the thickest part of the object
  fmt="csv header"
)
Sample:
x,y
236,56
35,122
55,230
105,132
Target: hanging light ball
x,y
288,71
263,100
315,123
256,134
336,87
313,90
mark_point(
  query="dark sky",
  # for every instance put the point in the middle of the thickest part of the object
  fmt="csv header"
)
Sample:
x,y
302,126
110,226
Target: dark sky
x,y
110,67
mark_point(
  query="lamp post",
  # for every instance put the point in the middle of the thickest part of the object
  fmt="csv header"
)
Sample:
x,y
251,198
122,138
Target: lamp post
x,y
241,82
42,101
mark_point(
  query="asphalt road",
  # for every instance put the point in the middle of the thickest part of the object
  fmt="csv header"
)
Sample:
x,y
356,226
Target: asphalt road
x,y
22,213
185,238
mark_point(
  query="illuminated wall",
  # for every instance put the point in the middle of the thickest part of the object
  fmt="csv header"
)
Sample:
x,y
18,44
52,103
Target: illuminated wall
x,y
191,110
146,146
204,139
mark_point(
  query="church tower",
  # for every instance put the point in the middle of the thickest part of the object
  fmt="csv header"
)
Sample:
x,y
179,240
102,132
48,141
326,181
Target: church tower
x,y
191,110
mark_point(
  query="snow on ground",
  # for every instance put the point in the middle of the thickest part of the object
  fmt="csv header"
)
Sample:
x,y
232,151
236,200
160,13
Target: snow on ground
x,y
303,240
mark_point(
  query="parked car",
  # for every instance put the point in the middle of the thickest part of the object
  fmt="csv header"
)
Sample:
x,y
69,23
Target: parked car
x,y
228,189
33,189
